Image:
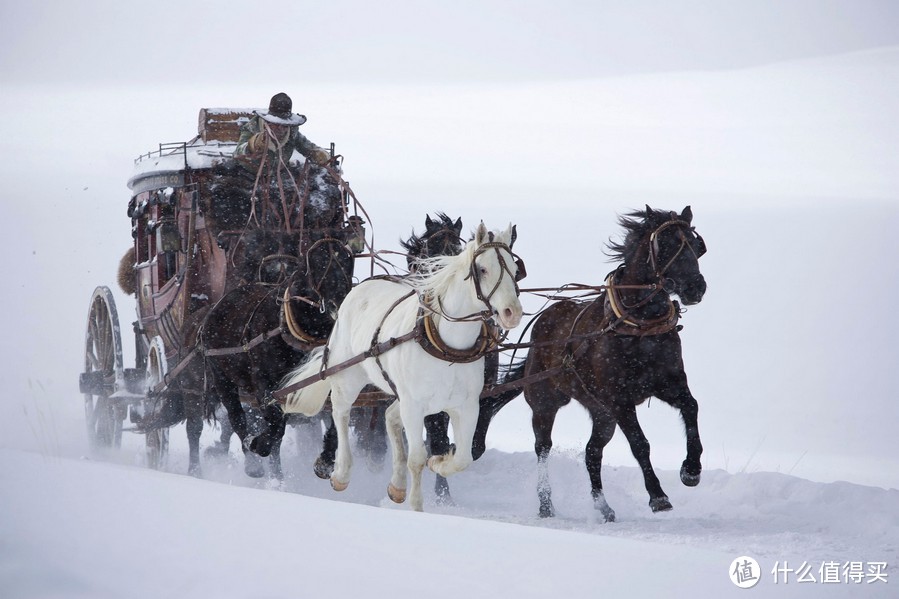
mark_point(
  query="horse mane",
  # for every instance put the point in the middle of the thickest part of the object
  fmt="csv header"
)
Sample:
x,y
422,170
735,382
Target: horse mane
x,y
637,225
434,275
415,244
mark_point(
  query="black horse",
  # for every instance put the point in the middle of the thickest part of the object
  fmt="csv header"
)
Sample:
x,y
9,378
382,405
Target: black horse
x,y
289,268
615,352
261,330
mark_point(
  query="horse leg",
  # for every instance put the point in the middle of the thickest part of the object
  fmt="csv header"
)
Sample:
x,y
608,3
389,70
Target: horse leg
x,y
276,472
368,427
194,426
437,427
343,463
464,422
679,397
396,490
324,464
252,462
271,423
413,423
343,394
542,420
603,429
378,425
630,426
238,420
223,444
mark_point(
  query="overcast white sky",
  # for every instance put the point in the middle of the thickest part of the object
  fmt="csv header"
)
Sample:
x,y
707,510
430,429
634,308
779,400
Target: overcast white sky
x,y
203,42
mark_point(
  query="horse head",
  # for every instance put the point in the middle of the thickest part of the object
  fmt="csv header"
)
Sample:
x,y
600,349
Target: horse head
x,y
441,238
675,249
329,273
663,247
495,272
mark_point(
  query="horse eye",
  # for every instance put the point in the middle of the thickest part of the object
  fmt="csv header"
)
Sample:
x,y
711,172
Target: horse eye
x,y
483,271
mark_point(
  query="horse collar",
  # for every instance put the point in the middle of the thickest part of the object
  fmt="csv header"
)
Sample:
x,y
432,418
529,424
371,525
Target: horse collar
x,y
429,339
626,324
294,335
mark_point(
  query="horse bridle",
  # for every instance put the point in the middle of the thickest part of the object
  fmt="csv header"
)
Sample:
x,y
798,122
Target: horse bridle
x,y
618,307
684,243
475,274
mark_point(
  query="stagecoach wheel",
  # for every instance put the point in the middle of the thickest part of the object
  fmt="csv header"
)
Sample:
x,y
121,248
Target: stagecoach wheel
x,y
103,372
157,439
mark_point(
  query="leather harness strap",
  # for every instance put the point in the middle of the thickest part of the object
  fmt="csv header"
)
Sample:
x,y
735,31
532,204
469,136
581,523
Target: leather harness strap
x,y
624,323
430,341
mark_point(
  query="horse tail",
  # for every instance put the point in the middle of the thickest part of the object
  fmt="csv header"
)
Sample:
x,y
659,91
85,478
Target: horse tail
x,y
310,399
510,374
491,404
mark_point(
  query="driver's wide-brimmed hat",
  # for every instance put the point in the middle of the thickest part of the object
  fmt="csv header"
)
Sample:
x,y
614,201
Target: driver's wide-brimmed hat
x,y
280,111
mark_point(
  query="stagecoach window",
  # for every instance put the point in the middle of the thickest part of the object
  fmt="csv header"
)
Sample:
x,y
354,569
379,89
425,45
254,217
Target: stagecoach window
x,y
168,241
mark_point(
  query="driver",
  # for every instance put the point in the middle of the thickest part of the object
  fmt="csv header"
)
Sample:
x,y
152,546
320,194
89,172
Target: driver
x,y
276,130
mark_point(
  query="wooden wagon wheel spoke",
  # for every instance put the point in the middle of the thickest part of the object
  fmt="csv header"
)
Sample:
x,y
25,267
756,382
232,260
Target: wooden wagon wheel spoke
x,y
157,438
102,369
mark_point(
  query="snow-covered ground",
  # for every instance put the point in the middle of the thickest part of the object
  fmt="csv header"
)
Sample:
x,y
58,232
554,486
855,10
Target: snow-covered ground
x,y
788,158
108,528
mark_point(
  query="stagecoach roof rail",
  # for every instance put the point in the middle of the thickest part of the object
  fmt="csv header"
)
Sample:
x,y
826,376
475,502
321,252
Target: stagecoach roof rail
x,y
166,149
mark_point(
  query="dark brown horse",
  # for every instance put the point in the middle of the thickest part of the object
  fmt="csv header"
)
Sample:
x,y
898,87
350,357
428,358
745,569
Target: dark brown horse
x,y
289,268
288,318
615,352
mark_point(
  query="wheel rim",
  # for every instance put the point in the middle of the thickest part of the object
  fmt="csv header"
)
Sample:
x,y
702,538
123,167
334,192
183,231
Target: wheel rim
x,y
103,365
157,439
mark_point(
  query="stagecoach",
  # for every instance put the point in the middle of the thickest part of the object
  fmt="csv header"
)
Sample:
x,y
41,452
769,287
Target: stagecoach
x,y
249,277
188,254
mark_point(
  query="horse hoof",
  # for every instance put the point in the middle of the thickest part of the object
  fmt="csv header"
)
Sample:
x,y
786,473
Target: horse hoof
x,y
689,480
434,463
339,486
396,495
254,470
660,504
323,469
261,445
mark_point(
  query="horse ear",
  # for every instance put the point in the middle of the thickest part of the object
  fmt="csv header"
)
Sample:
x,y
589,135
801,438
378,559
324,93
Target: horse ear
x,y
648,211
686,215
513,236
480,235
429,224
457,226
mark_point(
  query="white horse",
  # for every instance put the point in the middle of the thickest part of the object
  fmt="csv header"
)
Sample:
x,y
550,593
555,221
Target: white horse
x,y
459,294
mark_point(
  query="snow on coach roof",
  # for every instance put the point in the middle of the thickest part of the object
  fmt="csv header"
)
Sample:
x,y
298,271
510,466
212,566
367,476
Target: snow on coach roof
x,y
218,132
